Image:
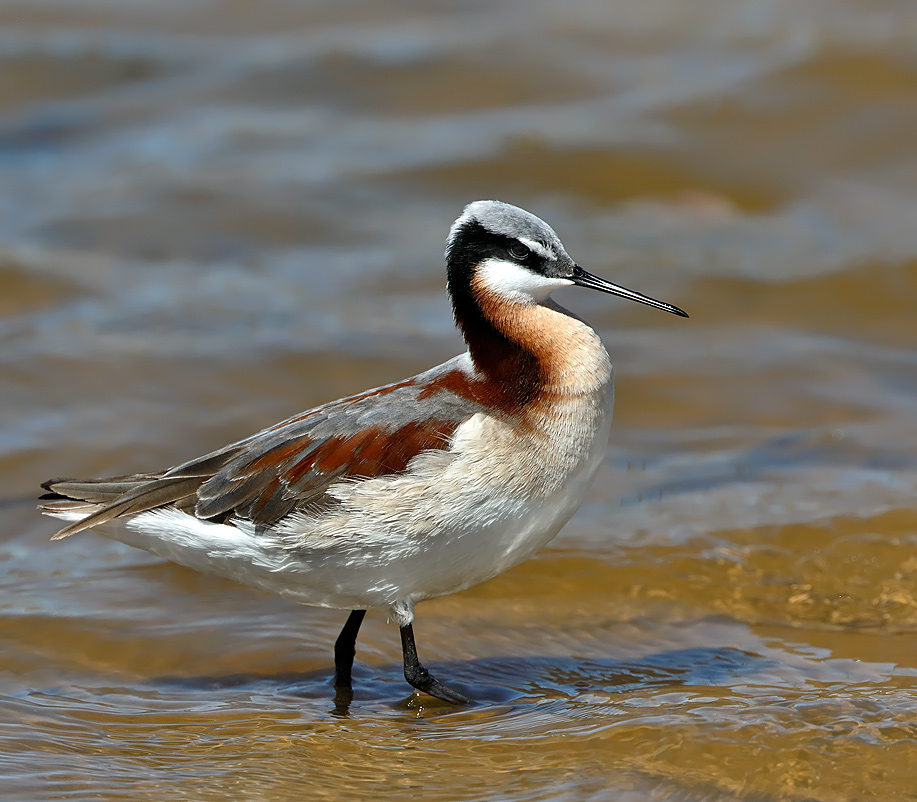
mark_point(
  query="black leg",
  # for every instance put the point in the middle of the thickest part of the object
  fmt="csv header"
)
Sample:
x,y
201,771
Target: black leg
x,y
420,678
345,647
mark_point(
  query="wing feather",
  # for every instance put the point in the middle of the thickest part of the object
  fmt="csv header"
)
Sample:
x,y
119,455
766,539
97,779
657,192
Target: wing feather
x,y
290,465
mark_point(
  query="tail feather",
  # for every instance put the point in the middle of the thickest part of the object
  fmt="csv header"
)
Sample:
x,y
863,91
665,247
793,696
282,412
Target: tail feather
x,y
66,507
97,491
106,499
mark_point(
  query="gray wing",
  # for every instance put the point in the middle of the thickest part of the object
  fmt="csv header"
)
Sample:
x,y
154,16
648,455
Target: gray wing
x,y
290,465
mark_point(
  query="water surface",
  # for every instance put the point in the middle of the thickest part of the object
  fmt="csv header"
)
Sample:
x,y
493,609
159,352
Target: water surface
x,y
213,215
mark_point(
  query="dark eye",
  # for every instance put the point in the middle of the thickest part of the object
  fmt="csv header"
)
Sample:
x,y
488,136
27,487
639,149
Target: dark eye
x,y
519,251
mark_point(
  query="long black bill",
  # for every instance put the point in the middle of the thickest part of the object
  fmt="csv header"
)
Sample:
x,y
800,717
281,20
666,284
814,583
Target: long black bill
x,y
583,279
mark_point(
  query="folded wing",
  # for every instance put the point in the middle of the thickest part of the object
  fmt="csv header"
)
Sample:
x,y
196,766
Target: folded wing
x,y
286,467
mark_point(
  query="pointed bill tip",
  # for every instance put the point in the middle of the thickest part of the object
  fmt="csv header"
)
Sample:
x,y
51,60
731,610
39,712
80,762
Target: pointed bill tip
x,y
583,279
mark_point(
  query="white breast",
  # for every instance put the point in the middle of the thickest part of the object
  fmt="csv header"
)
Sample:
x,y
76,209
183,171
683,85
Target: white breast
x,y
456,517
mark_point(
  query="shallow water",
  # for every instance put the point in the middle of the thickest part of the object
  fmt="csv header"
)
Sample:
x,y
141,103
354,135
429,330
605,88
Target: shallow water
x,y
213,215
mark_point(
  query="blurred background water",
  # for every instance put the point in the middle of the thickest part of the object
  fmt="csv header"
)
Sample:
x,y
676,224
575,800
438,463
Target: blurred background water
x,y
214,214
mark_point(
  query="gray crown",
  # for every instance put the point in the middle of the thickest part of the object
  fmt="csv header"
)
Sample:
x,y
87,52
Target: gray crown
x,y
509,221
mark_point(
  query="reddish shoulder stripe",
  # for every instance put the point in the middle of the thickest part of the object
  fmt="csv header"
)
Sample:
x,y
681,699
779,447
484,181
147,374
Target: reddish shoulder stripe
x,y
370,452
297,472
507,393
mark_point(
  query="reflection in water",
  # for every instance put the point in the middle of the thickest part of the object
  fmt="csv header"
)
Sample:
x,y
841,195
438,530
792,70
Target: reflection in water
x,y
214,215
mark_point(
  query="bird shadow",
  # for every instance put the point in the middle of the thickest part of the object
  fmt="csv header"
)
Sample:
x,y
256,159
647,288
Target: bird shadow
x,y
501,681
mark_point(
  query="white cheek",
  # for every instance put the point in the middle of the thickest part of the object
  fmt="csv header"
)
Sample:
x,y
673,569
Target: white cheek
x,y
516,282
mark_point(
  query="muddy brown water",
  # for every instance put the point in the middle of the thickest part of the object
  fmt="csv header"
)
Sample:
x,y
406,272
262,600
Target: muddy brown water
x,y
213,215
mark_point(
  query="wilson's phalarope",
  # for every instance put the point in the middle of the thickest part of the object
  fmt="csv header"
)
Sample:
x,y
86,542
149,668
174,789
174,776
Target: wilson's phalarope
x,y
409,491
